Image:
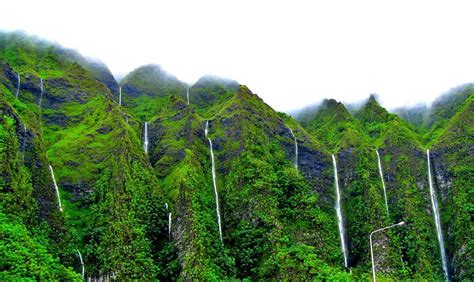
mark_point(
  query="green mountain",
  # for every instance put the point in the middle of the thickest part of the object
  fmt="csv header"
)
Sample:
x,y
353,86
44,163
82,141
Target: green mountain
x,y
403,162
222,187
143,88
452,159
415,115
211,92
98,161
333,125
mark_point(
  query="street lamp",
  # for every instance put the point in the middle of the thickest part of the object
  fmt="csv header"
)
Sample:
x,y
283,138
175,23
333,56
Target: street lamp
x,y
371,249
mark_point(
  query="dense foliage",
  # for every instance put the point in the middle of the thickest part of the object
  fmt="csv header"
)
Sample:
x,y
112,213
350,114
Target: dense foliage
x,y
136,211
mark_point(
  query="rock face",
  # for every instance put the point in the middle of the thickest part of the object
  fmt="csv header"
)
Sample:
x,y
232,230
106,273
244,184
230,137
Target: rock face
x,y
153,215
452,157
31,147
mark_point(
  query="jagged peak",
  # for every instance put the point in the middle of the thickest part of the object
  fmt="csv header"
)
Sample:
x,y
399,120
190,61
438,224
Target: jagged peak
x,y
335,107
372,111
372,101
243,90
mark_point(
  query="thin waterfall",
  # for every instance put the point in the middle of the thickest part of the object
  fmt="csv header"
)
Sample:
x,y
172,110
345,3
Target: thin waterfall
x,y
120,96
187,94
41,93
17,85
340,222
169,225
296,149
383,182
55,187
145,138
434,204
82,262
169,221
214,180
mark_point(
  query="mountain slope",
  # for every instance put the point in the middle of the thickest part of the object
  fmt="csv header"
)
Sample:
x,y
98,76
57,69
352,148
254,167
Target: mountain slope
x,y
220,188
452,163
99,166
143,88
209,93
355,139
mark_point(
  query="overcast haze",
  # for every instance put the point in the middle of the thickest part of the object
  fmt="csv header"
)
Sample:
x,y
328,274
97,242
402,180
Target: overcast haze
x,y
291,53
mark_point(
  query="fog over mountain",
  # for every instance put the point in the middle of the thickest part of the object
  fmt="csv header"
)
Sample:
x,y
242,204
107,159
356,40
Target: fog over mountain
x,y
291,54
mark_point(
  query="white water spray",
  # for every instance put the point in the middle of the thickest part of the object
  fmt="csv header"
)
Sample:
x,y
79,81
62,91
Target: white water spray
x,y
383,182
55,187
187,94
82,262
296,149
214,180
17,85
339,212
120,96
434,204
145,138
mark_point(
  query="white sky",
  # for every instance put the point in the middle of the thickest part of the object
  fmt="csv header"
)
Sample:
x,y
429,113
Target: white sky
x,y
291,53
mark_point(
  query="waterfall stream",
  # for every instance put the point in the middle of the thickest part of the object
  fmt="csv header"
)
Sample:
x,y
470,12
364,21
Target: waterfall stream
x,y
340,222
82,262
145,138
214,180
41,93
383,182
434,204
17,85
169,225
169,221
187,94
120,96
296,149
55,187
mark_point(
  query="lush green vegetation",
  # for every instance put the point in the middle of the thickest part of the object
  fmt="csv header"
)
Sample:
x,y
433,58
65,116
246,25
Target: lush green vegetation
x,y
279,222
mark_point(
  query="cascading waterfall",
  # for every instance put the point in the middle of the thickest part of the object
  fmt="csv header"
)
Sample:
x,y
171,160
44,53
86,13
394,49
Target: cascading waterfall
x,y
339,213
383,182
55,187
17,85
296,149
214,180
434,204
41,93
120,96
145,138
82,262
187,94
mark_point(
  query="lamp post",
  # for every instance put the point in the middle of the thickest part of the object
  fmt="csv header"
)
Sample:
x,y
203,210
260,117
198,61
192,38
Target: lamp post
x,y
371,249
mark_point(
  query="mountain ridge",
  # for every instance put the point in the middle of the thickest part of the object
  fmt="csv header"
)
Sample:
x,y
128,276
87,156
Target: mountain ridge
x,y
146,184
